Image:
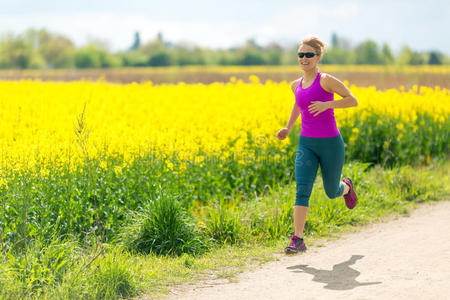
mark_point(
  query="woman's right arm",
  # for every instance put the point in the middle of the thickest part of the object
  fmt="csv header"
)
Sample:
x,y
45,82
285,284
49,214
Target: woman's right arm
x,y
282,133
294,116
295,109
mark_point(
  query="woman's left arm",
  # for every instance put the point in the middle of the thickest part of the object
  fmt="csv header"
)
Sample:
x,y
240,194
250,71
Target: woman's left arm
x,y
333,85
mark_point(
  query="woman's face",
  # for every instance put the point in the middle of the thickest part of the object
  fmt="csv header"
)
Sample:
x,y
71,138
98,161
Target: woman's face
x,y
308,63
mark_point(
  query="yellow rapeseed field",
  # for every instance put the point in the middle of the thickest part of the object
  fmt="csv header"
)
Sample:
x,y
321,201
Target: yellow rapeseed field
x,y
38,119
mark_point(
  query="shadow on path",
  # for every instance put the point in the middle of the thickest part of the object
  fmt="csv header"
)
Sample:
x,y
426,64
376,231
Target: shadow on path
x,y
342,277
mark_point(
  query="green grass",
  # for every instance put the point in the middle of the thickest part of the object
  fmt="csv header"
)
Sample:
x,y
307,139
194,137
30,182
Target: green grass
x,y
163,227
243,234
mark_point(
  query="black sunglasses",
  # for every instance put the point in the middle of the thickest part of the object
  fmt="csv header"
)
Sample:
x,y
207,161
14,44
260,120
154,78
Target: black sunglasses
x,y
307,54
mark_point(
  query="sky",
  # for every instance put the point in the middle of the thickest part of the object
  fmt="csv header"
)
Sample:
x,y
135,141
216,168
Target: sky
x,y
422,25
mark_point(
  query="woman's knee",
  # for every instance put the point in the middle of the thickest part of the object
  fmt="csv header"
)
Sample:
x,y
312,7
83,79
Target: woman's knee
x,y
302,201
333,191
303,194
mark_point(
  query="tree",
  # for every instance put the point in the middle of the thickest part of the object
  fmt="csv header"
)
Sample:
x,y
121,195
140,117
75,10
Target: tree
x,y
38,49
92,56
409,57
226,58
50,50
185,56
87,57
340,42
152,46
274,58
337,55
386,54
58,52
251,58
17,52
435,58
340,51
137,42
405,56
134,59
334,40
161,58
367,53
274,53
160,39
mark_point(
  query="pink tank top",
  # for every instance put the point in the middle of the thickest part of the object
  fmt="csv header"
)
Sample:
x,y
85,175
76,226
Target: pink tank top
x,y
324,124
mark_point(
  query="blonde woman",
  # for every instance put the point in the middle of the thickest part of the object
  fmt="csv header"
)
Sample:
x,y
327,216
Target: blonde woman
x,y
320,142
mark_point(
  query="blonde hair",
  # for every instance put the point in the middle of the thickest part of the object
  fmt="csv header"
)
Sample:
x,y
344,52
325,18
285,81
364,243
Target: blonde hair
x,y
314,42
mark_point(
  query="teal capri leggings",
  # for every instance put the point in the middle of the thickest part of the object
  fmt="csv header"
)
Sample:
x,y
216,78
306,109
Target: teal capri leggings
x,y
329,153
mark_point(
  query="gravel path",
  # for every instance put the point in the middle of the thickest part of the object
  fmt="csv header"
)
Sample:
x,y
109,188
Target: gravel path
x,y
406,258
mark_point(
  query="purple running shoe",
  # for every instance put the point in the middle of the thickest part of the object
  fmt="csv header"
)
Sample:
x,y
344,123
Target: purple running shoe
x,y
350,197
297,245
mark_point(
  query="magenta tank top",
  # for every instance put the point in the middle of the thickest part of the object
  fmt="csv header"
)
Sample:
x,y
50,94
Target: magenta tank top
x,y
324,124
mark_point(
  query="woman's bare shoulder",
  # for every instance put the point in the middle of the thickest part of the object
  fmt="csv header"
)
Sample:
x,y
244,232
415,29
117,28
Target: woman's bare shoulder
x,y
328,78
326,81
294,84
325,76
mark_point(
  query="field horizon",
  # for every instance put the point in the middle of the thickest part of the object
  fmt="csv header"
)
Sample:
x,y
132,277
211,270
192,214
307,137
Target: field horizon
x,y
382,77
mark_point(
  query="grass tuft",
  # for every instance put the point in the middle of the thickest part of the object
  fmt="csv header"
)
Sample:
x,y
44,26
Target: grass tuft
x,y
163,227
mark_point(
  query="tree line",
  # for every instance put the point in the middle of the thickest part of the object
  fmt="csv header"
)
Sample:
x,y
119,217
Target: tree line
x,y
41,49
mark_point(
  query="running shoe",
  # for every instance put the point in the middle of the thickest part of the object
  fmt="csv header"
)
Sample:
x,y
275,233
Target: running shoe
x,y
297,245
350,197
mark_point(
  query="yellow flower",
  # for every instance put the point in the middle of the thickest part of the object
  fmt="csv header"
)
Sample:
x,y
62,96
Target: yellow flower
x,y
254,78
118,170
59,123
400,126
3,183
104,165
44,172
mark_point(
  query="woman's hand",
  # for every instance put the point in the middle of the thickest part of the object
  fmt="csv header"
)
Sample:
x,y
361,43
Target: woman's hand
x,y
282,133
318,106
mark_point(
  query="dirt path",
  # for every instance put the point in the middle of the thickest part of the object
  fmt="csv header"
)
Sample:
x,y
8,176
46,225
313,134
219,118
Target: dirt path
x,y
406,258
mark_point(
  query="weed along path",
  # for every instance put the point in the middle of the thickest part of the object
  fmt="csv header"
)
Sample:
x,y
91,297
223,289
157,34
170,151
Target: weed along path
x,y
403,258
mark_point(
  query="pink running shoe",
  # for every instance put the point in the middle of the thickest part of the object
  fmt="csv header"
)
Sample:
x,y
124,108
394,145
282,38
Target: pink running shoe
x,y
350,197
297,245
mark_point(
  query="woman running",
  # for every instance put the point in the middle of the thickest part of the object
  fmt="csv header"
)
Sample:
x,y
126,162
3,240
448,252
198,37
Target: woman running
x,y
320,142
